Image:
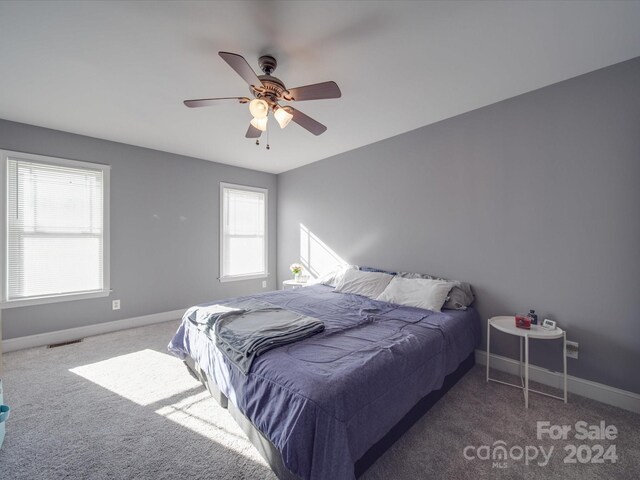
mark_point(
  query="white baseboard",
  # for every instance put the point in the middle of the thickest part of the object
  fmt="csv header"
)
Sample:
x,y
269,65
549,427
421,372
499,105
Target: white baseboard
x,y
69,334
579,386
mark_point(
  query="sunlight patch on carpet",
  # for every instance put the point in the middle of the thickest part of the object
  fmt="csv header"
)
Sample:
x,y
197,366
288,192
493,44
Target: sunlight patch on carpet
x,y
221,428
141,377
160,382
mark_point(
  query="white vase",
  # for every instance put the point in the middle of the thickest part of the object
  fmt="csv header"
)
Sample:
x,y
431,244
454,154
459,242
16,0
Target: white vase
x,y
296,277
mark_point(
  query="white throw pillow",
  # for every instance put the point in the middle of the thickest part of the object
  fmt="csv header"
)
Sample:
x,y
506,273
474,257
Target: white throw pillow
x,y
331,278
368,284
417,292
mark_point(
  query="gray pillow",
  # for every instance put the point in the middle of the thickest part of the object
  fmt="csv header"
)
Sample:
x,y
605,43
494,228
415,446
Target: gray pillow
x,y
460,296
368,284
374,269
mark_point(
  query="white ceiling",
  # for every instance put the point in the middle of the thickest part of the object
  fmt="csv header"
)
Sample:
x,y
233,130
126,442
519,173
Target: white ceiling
x,y
120,70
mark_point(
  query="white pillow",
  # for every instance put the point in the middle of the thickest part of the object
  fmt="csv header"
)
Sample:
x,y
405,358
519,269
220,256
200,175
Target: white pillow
x,y
369,284
331,278
417,292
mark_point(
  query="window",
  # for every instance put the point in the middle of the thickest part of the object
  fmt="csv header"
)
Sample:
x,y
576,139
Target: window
x,y
243,232
55,229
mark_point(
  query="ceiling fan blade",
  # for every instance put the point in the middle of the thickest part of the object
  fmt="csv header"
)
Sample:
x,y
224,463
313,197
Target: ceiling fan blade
x,y
317,91
206,102
307,122
242,68
253,132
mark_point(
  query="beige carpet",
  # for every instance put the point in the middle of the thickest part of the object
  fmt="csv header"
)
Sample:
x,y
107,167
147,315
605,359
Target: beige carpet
x,y
118,406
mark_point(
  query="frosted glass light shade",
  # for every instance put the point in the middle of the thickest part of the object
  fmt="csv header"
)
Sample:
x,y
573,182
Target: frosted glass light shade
x,y
282,117
260,123
259,108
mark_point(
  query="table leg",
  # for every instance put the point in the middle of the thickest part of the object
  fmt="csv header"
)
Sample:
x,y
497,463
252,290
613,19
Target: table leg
x,y
526,371
520,340
488,346
564,359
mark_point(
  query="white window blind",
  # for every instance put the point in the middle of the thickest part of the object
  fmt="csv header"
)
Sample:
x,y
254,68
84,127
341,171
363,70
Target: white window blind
x,y
243,232
55,228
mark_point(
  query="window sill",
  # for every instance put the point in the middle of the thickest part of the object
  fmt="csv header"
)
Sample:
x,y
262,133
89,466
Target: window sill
x,y
27,302
237,278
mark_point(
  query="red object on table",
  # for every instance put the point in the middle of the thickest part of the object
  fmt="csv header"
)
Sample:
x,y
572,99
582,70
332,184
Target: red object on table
x,y
522,321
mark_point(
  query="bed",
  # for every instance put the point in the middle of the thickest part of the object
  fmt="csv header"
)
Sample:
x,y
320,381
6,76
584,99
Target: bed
x,y
328,406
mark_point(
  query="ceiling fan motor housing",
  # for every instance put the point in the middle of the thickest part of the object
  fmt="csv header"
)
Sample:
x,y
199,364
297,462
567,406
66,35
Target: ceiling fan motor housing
x,y
272,88
267,64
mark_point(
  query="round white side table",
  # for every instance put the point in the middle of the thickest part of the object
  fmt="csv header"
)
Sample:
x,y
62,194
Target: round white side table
x,y
508,325
292,284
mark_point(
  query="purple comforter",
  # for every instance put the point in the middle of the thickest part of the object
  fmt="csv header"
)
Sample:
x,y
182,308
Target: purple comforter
x,y
324,401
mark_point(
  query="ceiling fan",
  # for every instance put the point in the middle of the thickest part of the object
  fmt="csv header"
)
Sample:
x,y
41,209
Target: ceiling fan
x,y
267,91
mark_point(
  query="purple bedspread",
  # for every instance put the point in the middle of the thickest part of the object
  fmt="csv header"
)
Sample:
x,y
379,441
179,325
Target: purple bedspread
x,y
324,401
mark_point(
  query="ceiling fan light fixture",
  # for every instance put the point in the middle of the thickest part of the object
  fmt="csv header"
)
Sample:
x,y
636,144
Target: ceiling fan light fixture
x,y
282,117
267,91
259,108
260,123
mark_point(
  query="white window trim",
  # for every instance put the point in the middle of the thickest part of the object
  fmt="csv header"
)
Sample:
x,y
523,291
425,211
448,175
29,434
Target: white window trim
x,y
235,278
106,287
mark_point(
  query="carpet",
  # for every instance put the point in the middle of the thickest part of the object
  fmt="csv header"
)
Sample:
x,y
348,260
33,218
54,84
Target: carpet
x,y
118,406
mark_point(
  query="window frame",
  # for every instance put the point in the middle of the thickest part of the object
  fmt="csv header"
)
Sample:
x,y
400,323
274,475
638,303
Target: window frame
x,y
234,278
5,155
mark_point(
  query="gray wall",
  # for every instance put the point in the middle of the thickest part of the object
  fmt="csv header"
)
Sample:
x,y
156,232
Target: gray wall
x,y
159,262
534,200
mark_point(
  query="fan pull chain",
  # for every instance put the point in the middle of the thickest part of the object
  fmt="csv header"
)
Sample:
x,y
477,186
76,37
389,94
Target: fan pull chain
x,y
268,147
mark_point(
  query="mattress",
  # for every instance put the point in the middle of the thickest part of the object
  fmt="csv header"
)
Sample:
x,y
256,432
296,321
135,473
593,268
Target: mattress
x,y
324,401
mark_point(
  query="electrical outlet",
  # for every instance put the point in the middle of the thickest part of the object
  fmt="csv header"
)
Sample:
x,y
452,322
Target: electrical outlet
x,y
115,305
572,349
264,284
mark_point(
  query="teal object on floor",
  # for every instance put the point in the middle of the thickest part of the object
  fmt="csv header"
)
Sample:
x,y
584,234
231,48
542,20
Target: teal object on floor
x,y
4,414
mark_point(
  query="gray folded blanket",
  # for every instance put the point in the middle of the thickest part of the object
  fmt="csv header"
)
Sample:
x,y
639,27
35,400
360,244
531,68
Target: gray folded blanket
x,y
210,314
252,327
